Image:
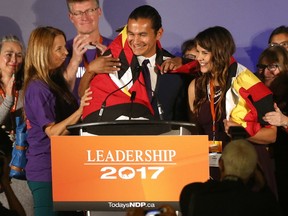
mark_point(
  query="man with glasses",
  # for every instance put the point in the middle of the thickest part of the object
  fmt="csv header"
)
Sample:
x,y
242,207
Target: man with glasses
x,y
88,44
279,37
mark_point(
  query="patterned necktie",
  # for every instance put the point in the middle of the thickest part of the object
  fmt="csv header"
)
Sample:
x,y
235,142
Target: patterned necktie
x,y
146,74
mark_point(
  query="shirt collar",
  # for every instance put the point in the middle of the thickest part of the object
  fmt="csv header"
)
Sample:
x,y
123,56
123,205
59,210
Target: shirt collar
x,y
152,59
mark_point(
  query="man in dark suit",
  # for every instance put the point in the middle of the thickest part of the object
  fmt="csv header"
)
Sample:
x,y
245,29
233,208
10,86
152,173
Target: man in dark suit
x,y
138,42
234,194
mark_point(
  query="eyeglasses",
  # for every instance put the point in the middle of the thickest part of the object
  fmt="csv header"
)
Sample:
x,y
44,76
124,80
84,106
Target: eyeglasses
x,y
270,67
88,12
283,44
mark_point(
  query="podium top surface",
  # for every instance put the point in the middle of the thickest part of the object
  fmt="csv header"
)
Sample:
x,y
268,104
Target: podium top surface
x,y
130,122
131,127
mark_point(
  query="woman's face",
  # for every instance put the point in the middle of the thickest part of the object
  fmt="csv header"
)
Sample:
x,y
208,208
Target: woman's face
x,y
204,57
58,52
11,58
269,72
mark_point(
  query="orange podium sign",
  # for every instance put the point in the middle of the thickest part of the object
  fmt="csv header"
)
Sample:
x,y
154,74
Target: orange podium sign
x,y
110,172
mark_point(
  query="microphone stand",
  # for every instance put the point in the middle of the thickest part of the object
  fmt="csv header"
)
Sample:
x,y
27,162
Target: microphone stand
x,y
159,105
103,106
132,98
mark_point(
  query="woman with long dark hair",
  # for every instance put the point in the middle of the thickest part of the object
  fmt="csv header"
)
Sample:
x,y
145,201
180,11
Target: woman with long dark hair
x,y
227,94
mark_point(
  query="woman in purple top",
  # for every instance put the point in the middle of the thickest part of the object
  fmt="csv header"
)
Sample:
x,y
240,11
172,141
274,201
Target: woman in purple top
x,y
49,107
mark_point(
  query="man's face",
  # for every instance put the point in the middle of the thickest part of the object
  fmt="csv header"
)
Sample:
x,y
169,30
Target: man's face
x,y
141,37
85,16
280,40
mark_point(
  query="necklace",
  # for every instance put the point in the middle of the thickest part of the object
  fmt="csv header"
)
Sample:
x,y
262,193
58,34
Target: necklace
x,y
216,95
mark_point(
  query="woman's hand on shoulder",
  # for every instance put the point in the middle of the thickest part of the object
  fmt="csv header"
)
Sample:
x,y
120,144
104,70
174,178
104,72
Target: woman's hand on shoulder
x,y
85,99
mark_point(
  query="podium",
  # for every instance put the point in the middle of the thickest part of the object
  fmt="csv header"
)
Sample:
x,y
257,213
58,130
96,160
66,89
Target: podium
x,y
135,127
117,165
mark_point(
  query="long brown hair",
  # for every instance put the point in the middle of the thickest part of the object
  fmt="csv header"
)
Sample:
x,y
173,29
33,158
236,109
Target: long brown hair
x,y
219,41
38,60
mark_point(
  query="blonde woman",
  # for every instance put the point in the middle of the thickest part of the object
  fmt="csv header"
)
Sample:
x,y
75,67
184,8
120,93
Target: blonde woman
x,y
49,107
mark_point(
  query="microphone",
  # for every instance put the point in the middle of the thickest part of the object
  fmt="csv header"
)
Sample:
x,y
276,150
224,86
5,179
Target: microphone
x,y
132,98
103,106
159,106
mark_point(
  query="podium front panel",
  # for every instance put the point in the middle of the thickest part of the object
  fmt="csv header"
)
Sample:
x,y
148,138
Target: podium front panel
x,y
112,173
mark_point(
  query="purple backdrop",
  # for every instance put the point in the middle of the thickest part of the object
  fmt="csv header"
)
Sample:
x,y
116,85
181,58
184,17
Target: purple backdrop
x,y
250,22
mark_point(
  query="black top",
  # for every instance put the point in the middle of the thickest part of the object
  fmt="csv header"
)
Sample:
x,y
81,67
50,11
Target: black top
x,y
226,198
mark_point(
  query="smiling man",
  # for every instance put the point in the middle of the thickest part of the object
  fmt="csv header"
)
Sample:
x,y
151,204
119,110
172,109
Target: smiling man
x,y
160,95
88,44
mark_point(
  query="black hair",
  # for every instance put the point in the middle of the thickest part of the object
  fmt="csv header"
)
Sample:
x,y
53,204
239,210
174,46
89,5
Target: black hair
x,y
147,12
279,30
188,45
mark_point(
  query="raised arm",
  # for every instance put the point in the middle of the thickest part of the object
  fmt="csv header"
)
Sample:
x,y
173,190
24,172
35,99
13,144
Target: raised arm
x,y
79,48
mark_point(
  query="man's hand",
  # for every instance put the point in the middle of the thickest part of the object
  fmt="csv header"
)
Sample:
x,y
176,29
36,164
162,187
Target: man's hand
x,y
104,64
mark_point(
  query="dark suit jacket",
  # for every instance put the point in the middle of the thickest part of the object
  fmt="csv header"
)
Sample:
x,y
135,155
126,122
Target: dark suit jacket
x,y
171,91
226,198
